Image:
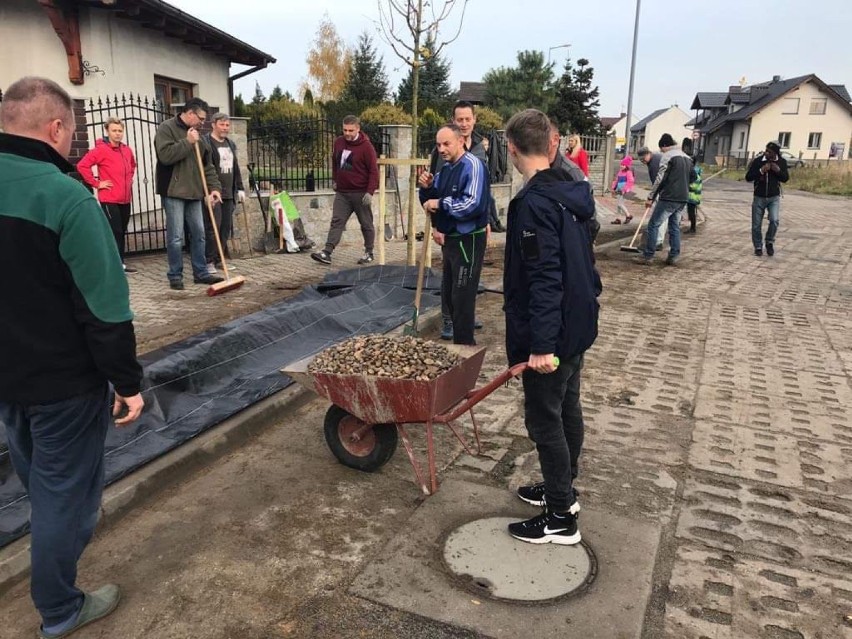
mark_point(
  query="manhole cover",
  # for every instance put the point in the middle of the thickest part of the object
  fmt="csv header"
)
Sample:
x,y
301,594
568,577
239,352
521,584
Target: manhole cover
x,y
488,561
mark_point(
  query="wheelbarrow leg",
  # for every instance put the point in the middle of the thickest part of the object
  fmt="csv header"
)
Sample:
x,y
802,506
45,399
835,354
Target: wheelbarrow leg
x,y
430,447
410,451
476,433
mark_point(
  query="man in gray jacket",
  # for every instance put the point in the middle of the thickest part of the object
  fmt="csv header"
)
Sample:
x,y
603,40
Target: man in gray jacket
x,y
182,191
671,190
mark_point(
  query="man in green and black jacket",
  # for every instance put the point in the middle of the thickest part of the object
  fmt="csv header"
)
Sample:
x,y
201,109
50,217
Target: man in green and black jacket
x,y
66,333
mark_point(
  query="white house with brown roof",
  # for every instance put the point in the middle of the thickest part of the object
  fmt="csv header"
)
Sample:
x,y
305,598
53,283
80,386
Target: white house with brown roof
x,y
98,48
807,117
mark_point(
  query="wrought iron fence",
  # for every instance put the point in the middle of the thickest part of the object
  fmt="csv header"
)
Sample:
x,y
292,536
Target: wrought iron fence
x,y
141,117
295,154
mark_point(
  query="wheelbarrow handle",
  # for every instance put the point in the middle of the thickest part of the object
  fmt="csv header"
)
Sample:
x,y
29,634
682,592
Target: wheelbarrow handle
x,y
478,394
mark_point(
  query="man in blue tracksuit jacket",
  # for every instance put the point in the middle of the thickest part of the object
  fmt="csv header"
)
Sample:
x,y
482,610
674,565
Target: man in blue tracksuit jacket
x,y
457,198
551,288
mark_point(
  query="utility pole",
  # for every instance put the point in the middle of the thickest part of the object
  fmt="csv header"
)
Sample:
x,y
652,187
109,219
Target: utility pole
x,y
627,136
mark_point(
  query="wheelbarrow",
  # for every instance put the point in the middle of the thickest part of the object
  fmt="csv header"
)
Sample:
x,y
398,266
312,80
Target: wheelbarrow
x,y
369,414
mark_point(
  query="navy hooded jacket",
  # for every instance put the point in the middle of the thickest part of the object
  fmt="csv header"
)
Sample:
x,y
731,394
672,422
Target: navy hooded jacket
x,y
549,280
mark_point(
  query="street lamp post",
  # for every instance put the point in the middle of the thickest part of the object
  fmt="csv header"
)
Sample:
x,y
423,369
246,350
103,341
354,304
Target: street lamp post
x,y
558,46
627,135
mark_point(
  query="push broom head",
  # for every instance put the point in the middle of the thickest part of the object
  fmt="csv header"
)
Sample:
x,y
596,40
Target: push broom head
x,y
630,249
228,285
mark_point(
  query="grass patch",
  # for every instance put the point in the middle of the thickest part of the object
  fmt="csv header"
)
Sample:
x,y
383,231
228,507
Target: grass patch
x,y
833,179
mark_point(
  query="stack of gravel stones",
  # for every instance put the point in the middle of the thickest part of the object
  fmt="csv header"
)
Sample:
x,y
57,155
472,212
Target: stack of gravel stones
x,y
384,356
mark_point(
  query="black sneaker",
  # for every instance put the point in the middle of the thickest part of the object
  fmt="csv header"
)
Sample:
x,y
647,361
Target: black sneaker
x,y
322,256
671,261
548,528
770,249
447,329
758,252
176,285
477,324
534,495
208,279
368,257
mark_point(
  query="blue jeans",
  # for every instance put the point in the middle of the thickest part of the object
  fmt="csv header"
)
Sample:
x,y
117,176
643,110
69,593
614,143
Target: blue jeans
x,y
57,450
176,211
664,210
758,206
554,420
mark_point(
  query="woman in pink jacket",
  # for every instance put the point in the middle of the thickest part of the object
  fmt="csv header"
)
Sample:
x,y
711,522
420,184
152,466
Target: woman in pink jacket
x,y
114,183
621,186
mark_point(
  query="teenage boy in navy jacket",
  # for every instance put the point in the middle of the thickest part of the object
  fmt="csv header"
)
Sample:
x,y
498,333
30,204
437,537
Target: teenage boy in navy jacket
x,y
458,198
550,288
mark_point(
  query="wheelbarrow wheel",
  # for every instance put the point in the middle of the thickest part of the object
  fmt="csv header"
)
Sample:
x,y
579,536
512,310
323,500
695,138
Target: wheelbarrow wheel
x,y
369,452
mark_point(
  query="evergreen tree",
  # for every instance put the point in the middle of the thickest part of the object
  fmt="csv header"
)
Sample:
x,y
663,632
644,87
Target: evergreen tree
x,y
277,94
240,109
434,92
575,107
527,85
367,83
258,98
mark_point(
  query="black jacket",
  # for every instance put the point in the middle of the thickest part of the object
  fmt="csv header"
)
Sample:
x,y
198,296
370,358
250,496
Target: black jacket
x,y
767,184
549,282
672,181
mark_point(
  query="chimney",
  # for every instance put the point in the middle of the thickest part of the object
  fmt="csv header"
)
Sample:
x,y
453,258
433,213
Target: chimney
x,y
757,92
776,78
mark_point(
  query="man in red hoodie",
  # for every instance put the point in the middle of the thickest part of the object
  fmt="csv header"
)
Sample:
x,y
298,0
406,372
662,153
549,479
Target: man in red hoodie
x,y
355,172
114,183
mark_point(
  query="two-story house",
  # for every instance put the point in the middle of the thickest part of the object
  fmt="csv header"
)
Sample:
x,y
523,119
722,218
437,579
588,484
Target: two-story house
x,y
810,119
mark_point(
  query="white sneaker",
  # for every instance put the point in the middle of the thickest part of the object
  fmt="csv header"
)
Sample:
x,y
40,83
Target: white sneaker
x,y
211,269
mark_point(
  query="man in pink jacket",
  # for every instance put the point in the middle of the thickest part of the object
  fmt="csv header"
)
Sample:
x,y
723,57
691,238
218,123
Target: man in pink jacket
x,y
114,182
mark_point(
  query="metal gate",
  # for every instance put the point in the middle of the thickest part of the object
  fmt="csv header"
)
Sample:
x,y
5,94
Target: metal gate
x,y
141,117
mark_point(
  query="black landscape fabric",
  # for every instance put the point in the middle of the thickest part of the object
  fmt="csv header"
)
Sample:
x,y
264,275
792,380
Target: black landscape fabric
x,y
199,382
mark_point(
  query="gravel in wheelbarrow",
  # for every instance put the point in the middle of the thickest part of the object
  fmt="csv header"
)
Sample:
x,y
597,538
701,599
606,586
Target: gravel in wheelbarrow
x,y
398,357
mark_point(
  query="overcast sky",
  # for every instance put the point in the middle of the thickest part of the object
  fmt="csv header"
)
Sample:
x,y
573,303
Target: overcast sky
x,y
684,46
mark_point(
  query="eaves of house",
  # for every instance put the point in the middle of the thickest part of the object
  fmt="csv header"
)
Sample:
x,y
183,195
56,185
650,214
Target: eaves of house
x,y
151,14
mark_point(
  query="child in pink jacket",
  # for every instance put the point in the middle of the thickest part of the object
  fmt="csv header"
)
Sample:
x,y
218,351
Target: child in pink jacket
x,y
621,186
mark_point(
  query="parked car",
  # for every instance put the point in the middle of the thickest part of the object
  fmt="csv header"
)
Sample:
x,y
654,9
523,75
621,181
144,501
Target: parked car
x,y
792,160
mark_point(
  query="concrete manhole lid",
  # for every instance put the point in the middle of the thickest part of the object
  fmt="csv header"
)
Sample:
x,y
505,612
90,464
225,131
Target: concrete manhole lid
x,y
487,560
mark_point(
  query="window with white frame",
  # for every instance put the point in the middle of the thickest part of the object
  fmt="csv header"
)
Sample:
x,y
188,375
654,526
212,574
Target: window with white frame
x,y
784,139
789,106
818,106
814,140
742,140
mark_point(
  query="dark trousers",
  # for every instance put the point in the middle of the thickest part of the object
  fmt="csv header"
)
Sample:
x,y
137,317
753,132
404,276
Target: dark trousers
x,y
118,216
462,256
554,421
58,452
224,214
345,204
692,213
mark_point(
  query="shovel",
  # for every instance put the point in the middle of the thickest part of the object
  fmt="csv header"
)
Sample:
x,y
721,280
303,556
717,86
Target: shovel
x,y
411,329
630,248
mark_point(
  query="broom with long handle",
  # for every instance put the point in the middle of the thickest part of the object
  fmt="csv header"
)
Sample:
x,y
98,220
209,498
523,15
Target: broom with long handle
x,y
230,283
629,248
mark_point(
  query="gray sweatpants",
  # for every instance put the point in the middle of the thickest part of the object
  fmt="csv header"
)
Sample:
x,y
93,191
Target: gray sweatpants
x,y
345,204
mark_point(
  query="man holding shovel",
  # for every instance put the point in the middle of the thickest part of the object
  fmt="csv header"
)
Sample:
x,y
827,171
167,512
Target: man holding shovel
x,y
182,191
457,199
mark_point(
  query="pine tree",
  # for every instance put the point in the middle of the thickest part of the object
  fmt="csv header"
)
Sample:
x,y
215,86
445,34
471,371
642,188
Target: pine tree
x,y
277,93
258,98
575,108
434,91
527,85
367,84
